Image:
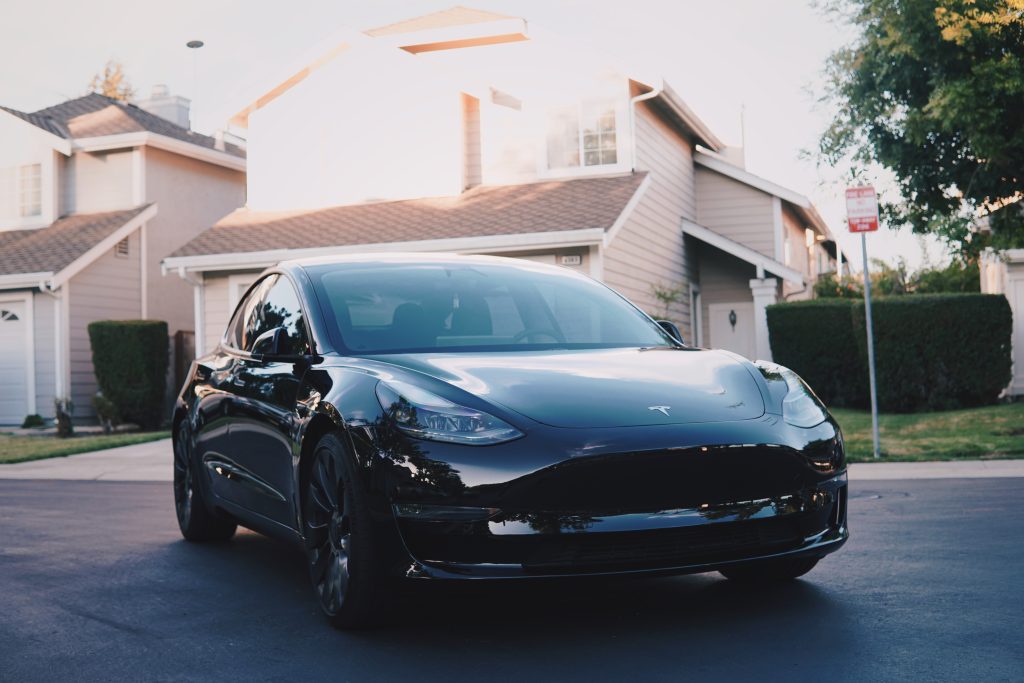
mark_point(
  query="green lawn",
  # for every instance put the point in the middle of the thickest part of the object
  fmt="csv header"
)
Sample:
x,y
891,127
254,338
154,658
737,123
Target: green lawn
x,y
977,433
22,448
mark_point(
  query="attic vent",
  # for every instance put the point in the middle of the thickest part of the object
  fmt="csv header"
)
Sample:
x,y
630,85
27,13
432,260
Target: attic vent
x,y
122,249
8,315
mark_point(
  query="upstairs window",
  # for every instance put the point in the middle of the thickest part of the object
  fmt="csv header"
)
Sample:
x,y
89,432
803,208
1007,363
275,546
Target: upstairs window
x,y
583,135
30,193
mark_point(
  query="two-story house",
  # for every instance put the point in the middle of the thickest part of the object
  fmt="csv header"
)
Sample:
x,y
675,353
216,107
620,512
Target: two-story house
x,y
463,131
93,194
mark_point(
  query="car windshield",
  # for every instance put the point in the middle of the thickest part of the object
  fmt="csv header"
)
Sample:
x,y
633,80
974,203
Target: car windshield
x,y
422,307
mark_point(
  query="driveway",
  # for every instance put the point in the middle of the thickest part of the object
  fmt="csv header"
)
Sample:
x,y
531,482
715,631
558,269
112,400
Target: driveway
x,y
98,585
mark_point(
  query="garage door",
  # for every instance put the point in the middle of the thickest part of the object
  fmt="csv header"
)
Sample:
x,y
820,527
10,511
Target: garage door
x,y
14,342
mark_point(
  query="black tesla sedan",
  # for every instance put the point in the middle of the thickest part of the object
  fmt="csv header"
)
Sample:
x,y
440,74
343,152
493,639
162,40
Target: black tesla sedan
x,y
458,417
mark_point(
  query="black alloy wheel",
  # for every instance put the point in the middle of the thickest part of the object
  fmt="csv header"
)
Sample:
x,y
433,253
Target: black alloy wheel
x,y
339,549
197,521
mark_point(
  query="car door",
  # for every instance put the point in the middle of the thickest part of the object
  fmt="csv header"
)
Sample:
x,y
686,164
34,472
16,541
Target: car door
x,y
265,418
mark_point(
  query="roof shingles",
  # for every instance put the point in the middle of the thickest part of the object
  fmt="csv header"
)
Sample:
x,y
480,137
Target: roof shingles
x,y
482,211
51,249
94,115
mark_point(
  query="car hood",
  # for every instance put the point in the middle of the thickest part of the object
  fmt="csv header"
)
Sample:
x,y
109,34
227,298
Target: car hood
x,y
602,387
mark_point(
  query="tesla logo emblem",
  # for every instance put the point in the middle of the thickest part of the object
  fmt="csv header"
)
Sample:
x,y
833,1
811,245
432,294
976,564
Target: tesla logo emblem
x,y
661,409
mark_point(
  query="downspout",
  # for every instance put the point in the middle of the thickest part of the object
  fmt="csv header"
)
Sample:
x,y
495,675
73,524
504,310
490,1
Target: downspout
x,y
632,119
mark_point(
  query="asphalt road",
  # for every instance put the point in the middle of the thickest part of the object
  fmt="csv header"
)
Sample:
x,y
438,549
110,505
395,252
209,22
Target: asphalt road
x,y
96,584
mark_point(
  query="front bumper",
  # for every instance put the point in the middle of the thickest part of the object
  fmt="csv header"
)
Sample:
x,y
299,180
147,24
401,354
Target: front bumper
x,y
810,522
690,498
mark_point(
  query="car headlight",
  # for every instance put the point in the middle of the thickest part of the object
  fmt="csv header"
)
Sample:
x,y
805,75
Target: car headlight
x,y
800,407
425,415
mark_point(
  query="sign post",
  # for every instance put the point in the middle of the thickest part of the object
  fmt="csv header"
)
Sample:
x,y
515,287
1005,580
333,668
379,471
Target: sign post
x,y
862,217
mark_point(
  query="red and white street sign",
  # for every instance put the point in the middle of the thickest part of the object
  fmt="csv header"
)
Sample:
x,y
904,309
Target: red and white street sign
x,y
862,209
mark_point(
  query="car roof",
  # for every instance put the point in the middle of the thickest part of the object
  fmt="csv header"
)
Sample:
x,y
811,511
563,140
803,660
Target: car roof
x,y
413,258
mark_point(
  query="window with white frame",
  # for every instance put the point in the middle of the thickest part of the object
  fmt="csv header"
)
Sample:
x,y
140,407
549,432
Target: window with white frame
x,y
30,194
582,135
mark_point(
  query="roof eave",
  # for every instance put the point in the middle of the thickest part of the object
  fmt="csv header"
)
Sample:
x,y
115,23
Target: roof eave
x,y
490,243
25,280
101,143
60,144
742,252
688,118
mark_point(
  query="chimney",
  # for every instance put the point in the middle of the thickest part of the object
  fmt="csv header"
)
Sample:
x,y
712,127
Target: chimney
x,y
162,103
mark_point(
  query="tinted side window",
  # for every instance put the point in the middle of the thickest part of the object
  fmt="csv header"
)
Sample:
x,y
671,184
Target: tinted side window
x,y
278,307
242,322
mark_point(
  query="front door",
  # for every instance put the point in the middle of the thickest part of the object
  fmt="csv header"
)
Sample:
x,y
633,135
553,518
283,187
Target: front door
x,y
265,418
731,327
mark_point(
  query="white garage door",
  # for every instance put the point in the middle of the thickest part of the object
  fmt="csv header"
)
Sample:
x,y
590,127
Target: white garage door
x,y
14,341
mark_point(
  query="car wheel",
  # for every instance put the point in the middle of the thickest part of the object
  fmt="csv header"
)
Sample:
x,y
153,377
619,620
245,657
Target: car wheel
x,y
768,571
339,546
197,521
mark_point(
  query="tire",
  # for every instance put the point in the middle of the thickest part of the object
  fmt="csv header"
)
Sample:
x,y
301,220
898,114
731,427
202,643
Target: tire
x,y
340,548
770,571
196,519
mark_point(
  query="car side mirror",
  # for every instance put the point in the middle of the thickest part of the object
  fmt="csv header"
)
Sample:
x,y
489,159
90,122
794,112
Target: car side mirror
x,y
270,343
671,328
271,347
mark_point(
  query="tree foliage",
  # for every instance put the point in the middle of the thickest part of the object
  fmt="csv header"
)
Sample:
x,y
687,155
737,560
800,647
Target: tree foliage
x,y
893,280
933,91
112,82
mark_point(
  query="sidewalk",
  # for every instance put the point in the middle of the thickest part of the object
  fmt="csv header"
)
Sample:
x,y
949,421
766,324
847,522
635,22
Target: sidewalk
x,y
149,461
152,462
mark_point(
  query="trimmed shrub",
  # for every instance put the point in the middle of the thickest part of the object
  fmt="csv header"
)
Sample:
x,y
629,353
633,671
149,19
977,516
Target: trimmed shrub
x,y
932,351
938,351
816,340
33,421
130,360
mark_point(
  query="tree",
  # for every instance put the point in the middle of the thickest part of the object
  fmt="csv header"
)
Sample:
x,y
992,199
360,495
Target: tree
x,y
933,91
112,82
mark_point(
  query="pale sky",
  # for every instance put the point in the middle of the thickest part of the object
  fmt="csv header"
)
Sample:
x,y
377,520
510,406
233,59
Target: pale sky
x,y
722,56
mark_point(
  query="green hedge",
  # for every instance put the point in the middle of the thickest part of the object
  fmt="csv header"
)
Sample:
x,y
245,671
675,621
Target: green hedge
x,y
816,340
932,352
130,360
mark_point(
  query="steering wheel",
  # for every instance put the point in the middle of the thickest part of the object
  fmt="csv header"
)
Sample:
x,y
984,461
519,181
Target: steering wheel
x,y
530,332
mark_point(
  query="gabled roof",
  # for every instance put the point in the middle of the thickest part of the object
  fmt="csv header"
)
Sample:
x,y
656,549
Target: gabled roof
x,y
593,204
54,248
742,252
96,115
802,204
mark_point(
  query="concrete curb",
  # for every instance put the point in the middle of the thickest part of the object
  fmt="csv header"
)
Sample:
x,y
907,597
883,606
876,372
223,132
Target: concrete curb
x,y
960,469
152,462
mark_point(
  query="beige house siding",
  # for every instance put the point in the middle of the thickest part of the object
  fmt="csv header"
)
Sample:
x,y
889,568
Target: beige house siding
x,y
723,279
735,210
95,182
106,290
215,309
649,250
191,196
799,257
45,360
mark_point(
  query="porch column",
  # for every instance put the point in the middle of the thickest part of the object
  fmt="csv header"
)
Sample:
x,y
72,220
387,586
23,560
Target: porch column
x,y
764,290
